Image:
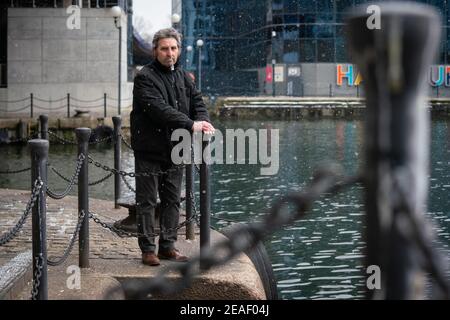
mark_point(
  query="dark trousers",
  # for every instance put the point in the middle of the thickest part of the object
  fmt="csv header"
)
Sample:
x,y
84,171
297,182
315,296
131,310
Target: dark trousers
x,y
169,188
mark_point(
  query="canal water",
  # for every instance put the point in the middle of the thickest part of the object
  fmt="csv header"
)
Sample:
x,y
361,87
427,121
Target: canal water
x,y
319,257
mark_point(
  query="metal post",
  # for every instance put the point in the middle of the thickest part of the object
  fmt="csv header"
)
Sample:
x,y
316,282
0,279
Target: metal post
x,y
200,68
22,131
396,149
43,120
117,121
331,90
39,158
104,105
190,234
68,105
120,70
31,105
205,196
83,135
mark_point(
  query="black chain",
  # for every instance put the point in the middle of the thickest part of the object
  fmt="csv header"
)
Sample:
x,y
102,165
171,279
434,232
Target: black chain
x,y
69,187
133,174
97,141
128,185
109,175
62,140
13,232
37,277
15,171
69,248
125,234
241,240
26,139
126,142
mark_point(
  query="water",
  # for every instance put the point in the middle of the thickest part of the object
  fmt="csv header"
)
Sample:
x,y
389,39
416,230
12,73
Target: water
x,y
319,257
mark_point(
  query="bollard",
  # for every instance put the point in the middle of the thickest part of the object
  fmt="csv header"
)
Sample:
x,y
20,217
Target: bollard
x,y
43,121
22,131
117,121
394,62
68,105
205,196
39,159
190,234
83,135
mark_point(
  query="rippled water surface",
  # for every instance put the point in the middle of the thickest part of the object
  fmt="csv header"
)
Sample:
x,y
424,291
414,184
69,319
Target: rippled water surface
x,y
319,257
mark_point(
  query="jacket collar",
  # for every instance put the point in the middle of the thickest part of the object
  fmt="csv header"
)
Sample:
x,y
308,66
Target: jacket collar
x,y
163,68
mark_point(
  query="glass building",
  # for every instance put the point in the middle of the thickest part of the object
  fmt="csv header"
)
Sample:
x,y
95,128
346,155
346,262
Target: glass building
x,y
298,43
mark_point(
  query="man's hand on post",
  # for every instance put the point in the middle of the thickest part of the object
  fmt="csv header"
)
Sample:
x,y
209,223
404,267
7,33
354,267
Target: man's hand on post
x,y
204,126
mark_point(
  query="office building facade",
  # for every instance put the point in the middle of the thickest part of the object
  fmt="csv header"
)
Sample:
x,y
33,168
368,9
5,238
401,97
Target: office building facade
x,y
290,47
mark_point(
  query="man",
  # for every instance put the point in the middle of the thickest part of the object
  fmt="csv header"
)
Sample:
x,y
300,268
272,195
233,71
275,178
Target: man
x,y
164,99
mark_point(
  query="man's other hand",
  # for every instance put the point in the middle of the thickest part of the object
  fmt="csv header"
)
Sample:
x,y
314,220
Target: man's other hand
x,y
204,126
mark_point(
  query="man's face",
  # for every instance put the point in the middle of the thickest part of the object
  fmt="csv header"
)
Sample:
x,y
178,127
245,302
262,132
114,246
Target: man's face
x,y
167,51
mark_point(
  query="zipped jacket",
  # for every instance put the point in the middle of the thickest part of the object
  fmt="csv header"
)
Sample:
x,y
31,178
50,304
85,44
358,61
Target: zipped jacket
x,y
163,101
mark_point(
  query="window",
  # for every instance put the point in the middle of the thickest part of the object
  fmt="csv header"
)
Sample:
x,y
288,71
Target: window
x,y
325,51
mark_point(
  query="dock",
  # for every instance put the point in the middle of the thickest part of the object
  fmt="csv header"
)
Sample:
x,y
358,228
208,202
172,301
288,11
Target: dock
x,y
112,259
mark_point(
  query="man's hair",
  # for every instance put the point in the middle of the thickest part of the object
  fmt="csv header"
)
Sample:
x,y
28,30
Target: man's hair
x,y
164,34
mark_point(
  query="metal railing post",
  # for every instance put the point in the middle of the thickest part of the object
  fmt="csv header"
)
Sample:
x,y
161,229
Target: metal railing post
x,y
190,234
83,135
39,158
104,105
43,121
31,105
68,105
205,198
396,141
117,121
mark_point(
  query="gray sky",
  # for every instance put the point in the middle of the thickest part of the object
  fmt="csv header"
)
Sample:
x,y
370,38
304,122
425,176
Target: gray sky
x,y
157,12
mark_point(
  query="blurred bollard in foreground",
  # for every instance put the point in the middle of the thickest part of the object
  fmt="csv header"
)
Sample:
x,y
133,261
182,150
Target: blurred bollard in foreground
x,y
394,61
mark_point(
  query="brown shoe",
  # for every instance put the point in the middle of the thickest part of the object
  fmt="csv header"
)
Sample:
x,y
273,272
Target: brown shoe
x,y
150,259
173,255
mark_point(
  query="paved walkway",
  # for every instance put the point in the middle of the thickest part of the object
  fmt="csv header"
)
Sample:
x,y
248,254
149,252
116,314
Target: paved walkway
x,y
112,258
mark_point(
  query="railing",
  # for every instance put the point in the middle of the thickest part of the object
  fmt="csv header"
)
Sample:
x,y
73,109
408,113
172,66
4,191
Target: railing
x,y
40,189
66,105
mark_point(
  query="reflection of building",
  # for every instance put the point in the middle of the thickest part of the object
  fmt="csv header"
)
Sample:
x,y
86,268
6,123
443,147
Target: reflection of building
x,y
304,37
44,52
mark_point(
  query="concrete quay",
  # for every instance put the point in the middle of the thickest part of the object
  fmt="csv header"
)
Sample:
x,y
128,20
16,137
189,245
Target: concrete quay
x,y
112,258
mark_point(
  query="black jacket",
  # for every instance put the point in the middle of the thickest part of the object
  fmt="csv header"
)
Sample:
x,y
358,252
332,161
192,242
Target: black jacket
x,y
163,100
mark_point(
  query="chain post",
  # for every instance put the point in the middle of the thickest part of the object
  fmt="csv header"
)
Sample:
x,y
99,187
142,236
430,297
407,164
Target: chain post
x,y
205,197
39,159
31,105
68,105
190,234
117,121
83,135
396,147
43,121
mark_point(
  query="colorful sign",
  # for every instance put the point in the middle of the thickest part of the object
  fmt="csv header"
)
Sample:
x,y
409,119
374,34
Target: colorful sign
x,y
347,71
440,75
